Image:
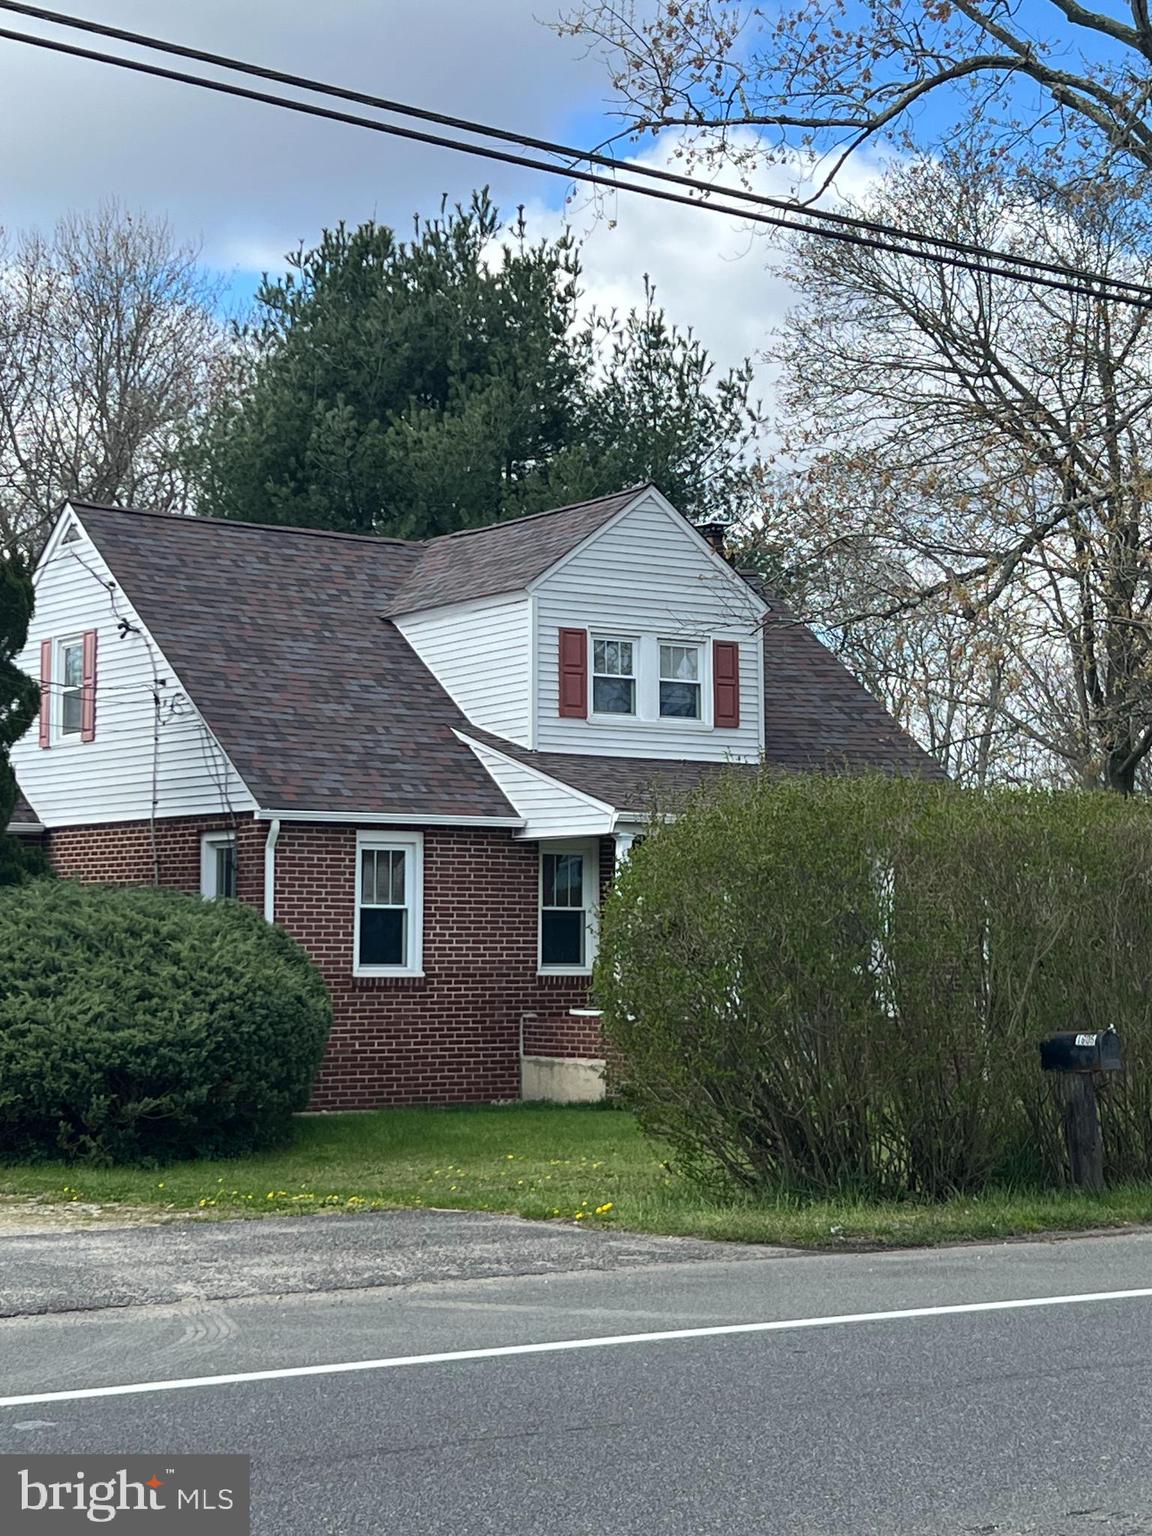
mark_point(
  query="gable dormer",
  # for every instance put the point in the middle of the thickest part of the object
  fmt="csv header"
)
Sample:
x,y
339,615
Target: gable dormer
x,y
611,627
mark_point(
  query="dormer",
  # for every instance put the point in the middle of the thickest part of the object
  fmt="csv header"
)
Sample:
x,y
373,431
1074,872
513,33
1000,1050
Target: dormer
x,y
610,628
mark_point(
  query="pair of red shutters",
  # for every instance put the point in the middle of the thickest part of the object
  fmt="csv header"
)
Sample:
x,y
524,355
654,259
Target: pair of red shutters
x,y
574,678
87,692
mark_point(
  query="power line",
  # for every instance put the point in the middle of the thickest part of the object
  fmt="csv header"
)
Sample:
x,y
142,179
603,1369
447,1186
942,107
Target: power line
x,y
990,262
567,151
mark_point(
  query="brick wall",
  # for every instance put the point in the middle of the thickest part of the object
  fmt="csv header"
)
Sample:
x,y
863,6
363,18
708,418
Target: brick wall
x,y
450,1036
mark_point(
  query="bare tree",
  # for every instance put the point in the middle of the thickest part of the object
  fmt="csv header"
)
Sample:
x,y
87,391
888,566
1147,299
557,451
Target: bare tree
x,y
831,74
109,347
977,471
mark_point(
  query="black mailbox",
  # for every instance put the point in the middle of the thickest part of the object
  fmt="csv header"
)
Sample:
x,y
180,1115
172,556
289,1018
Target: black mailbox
x,y
1098,1052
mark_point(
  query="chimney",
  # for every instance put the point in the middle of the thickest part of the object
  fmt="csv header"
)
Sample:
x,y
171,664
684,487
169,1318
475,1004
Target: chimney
x,y
716,535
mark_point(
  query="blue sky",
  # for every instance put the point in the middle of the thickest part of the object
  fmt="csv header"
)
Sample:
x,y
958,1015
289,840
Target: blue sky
x,y
249,182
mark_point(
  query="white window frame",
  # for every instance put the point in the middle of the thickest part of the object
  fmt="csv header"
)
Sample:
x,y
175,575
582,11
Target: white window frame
x,y
703,668
411,844
590,849
60,736
210,844
636,674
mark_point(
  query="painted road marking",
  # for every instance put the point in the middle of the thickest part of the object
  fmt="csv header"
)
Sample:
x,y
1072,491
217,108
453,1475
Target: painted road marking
x,y
557,1346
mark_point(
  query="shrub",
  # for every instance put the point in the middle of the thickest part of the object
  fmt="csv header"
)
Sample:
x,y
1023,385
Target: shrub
x,y
140,1025
839,984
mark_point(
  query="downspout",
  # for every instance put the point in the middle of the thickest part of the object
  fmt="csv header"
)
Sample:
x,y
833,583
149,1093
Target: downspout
x,y
270,869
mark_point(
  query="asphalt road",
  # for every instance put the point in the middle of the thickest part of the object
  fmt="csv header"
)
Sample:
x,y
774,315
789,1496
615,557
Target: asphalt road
x,y
1034,1419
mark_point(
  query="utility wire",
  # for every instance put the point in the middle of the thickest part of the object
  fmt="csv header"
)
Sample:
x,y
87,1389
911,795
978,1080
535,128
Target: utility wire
x,y
990,263
567,151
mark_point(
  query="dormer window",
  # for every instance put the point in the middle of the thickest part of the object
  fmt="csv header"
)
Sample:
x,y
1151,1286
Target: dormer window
x,y
680,674
613,676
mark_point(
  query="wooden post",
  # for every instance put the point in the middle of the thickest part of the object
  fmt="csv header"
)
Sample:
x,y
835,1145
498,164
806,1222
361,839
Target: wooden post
x,y
1082,1130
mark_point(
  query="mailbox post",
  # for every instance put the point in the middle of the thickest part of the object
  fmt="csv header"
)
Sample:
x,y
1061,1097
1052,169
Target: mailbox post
x,y
1076,1062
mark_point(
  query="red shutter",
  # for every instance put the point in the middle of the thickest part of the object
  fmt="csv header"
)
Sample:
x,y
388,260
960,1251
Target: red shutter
x,y
45,692
88,696
726,683
574,674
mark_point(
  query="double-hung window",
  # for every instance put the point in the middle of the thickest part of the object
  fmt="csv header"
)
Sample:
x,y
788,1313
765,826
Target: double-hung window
x,y
680,681
389,904
218,865
613,676
70,671
569,887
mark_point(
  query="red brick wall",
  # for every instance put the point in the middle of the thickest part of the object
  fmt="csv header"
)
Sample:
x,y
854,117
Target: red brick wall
x,y
450,1036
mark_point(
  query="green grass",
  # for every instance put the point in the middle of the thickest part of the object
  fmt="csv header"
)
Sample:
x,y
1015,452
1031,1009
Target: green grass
x,y
580,1164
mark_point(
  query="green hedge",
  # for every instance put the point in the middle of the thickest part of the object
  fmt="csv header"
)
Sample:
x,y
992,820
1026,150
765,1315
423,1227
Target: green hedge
x,y
839,984
143,1025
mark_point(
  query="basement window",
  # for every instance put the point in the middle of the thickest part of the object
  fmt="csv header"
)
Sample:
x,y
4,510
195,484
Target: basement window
x,y
389,903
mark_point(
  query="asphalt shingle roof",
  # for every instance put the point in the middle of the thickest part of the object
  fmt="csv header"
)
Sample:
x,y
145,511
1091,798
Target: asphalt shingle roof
x,y
504,557
22,812
279,636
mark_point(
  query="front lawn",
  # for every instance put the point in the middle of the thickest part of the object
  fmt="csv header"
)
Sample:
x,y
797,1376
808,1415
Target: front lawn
x,y
574,1164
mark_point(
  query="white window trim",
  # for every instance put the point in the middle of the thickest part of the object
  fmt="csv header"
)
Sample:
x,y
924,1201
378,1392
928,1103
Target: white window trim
x,y
411,843
59,736
209,843
590,848
646,664
703,651
637,675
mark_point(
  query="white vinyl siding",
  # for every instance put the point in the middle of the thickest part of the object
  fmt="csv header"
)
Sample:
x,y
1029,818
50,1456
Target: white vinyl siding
x,y
110,778
549,808
479,653
648,575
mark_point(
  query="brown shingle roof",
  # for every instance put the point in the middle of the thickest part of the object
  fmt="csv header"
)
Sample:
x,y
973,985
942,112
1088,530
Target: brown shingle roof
x,y
322,706
22,813
504,557
276,634
818,718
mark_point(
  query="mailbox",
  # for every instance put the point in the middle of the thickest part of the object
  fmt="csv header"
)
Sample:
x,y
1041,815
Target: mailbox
x,y
1089,1052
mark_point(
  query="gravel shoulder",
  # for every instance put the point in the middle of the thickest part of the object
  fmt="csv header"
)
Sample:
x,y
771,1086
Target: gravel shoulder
x,y
88,1268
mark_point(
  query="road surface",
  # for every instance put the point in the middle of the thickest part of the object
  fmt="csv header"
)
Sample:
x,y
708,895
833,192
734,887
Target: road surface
x,y
885,1395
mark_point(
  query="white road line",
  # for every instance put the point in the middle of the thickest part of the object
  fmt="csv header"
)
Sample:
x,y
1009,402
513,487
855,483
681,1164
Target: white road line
x,y
502,1351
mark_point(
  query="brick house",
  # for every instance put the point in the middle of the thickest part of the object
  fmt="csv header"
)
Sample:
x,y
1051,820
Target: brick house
x,y
422,759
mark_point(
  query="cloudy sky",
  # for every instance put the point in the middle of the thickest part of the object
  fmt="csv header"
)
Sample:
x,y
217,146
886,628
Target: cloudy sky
x,y
249,181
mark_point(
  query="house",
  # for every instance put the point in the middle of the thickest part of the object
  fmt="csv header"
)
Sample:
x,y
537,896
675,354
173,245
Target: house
x,y
422,759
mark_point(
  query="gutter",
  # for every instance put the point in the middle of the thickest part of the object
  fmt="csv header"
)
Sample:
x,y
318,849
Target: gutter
x,y
270,869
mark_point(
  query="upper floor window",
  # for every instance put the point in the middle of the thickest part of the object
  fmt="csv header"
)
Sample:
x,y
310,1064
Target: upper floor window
x,y
389,902
613,677
218,865
680,676
70,671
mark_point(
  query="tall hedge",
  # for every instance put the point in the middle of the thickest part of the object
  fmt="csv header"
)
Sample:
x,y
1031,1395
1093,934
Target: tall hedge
x,y
143,1025
839,984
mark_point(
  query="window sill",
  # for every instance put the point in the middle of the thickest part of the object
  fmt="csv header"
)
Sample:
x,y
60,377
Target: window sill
x,y
561,971
385,973
634,723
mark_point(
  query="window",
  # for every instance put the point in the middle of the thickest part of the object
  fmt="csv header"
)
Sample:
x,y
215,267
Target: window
x,y
613,677
569,886
389,900
70,671
218,865
679,681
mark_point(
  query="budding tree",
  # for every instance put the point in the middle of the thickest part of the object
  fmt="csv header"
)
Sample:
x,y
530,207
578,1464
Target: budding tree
x,y
109,348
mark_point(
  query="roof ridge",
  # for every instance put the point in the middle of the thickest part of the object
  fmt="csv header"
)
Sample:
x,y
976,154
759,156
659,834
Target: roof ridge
x,y
196,520
529,517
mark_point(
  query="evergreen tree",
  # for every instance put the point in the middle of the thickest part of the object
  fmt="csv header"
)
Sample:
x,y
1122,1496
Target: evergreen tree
x,y
19,700
412,388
